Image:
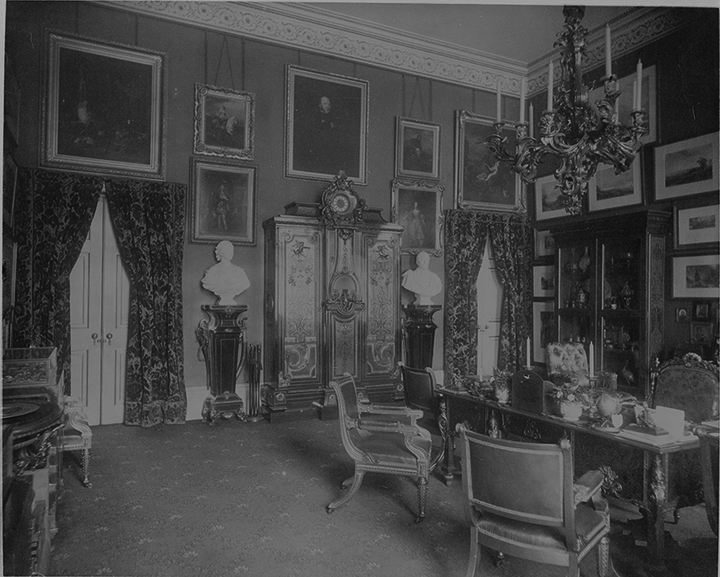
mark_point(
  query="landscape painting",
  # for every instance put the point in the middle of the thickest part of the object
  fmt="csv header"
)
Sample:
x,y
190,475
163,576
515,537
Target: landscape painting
x,y
687,167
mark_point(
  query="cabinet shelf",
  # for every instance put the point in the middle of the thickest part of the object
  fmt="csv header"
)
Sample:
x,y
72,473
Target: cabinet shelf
x,y
619,315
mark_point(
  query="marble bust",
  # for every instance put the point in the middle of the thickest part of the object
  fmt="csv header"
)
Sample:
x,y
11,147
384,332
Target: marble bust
x,y
225,279
422,281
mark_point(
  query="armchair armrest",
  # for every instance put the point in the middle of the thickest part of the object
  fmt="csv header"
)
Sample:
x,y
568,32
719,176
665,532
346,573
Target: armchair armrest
x,y
587,486
387,413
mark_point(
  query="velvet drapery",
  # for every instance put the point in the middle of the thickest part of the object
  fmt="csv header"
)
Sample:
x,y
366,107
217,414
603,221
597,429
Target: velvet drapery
x,y
510,237
54,214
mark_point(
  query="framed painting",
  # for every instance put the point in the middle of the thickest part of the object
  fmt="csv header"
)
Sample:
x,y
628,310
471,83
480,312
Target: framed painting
x,y
326,125
681,315
417,206
625,101
481,180
544,244
544,281
224,122
701,311
687,167
223,202
697,226
701,333
417,149
543,328
696,276
103,109
609,190
548,200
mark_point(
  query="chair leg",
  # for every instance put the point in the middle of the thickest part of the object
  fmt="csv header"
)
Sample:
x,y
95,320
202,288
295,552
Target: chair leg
x,y
357,481
603,557
574,567
474,553
422,498
86,467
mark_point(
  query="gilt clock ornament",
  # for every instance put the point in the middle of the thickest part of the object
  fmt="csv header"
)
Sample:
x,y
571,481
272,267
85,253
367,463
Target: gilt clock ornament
x,y
339,205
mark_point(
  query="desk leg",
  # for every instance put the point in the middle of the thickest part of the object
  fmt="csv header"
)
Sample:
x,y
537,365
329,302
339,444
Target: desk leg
x,y
447,469
656,499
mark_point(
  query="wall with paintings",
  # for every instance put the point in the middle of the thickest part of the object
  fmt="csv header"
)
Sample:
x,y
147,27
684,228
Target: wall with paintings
x,y
240,65
681,95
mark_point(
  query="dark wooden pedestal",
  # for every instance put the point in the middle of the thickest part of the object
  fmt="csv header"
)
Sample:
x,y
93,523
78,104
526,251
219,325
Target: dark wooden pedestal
x,y
420,330
222,341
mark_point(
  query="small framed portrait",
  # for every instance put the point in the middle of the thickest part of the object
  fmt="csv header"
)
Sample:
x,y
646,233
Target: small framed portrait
x,y
681,315
417,149
224,122
609,190
548,198
544,244
417,206
697,226
223,202
544,281
104,107
696,276
326,125
687,167
482,182
701,332
701,311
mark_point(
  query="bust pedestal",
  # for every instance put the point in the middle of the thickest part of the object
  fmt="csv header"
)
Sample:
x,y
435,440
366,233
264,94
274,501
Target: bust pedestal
x,y
420,330
222,341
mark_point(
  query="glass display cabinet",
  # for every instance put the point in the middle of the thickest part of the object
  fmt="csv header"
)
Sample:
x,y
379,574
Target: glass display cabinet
x,y
610,292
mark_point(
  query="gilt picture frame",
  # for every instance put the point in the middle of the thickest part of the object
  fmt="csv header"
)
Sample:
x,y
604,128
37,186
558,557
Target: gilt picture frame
x,y
544,244
696,276
223,202
697,226
326,125
608,190
544,281
103,109
417,206
687,167
417,149
224,122
548,199
482,182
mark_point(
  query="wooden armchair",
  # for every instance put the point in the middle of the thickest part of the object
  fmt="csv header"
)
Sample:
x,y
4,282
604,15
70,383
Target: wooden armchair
x,y
420,390
392,444
522,502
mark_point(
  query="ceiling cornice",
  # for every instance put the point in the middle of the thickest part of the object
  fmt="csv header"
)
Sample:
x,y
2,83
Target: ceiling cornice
x,y
314,29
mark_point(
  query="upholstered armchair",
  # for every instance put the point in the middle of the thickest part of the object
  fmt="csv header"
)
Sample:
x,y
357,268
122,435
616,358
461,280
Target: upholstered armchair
x,y
420,390
567,361
522,501
384,440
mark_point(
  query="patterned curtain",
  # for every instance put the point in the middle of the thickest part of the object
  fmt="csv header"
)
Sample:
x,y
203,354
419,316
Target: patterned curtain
x,y
54,214
466,233
511,242
465,237
149,223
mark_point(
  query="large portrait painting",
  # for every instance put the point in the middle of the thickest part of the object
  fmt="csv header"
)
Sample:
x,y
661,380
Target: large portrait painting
x,y
417,206
481,180
326,127
224,122
103,110
223,202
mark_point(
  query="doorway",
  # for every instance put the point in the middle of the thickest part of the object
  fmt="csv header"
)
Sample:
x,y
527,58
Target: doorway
x,y
99,300
489,300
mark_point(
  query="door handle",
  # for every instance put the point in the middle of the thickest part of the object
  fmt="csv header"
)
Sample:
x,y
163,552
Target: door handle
x,y
95,339
108,337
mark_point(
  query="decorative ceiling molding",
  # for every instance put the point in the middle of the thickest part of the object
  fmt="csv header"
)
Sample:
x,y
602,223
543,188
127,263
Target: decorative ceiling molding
x,y
630,32
316,30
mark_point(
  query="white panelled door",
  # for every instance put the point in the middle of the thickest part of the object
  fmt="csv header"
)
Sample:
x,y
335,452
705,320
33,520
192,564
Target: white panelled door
x,y
489,299
99,297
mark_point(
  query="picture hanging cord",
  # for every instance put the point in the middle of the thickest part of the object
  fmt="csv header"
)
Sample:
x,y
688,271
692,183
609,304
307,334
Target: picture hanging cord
x,y
417,92
224,49
402,95
205,48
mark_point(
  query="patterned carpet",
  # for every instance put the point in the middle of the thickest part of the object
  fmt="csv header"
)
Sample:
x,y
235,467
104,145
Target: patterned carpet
x,y
243,499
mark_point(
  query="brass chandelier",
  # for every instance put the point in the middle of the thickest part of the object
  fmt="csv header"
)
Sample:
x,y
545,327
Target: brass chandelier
x,y
580,133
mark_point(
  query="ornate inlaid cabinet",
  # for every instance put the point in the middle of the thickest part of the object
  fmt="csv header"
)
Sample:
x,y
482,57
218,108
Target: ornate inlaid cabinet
x,y
611,290
332,301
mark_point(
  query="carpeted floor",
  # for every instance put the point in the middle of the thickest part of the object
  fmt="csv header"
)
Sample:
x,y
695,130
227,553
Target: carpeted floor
x,y
243,499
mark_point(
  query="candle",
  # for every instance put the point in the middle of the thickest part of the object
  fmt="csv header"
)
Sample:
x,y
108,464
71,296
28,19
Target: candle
x,y
550,87
638,101
527,353
608,52
523,89
532,120
498,103
591,362
635,98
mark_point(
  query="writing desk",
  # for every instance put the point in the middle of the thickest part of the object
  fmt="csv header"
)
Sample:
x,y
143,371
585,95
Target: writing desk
x,y
474,412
